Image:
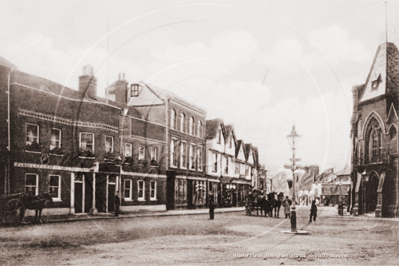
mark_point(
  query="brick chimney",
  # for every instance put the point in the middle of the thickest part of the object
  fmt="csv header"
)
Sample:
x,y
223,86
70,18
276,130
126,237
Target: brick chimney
x,y
88,83
121,89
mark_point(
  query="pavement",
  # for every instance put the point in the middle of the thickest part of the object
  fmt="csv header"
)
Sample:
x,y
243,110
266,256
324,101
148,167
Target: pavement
x,y
86,216
326,212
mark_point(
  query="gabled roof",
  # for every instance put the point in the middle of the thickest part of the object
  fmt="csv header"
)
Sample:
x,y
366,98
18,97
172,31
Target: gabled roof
x,y
229,129
247,150
238,146
382,80
212,127
165,95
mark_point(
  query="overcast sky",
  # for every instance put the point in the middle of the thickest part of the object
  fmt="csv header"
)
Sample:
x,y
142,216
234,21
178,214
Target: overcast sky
x,y
260,65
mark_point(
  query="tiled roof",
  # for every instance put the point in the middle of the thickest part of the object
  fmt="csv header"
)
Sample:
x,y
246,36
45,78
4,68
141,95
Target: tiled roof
x,y
212,127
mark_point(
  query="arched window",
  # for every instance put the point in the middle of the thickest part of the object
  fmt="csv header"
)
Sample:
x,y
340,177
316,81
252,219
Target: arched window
x,y
183,122
393,140
173,119
192,126
374,144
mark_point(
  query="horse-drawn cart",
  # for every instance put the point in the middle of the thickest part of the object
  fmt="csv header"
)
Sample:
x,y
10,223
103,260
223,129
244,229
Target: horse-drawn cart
x,y
12,210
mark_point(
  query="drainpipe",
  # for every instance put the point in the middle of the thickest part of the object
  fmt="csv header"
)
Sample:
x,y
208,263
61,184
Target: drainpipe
x,y
8,178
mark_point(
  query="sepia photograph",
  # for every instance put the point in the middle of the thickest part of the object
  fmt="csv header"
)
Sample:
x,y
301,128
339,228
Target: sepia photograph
x,y
188,132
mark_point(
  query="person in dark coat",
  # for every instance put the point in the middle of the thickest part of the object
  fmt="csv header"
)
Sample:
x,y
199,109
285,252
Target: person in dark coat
x,y
211,207
313,211
287,207
117,203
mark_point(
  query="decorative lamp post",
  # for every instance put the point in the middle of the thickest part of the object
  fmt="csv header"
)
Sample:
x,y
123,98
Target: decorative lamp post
x,y
293,139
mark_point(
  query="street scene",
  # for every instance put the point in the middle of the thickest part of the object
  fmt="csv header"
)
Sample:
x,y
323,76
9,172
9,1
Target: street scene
x,y
232,238
185,132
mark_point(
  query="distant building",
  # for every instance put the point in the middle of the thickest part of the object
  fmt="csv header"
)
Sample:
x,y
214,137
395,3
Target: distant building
x,y
333,188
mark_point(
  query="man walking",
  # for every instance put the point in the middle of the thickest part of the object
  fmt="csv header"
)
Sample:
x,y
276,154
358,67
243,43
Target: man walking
x,y
313,211
211,207
117,203
287,209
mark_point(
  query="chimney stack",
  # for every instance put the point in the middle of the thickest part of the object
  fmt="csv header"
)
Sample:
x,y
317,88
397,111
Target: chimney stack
x,y
88,83
121,89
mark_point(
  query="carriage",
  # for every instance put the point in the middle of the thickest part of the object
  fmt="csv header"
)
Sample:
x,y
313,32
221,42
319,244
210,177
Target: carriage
x,y
257,200
12,210
12,207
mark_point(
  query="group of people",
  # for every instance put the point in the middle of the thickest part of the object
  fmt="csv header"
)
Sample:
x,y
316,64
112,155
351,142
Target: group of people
x,y
287,209
286,203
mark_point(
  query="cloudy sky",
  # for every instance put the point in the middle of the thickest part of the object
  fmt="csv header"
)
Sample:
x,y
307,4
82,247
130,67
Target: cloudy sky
x,y
260,65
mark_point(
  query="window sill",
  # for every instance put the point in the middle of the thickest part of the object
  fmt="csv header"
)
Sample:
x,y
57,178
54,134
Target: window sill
x,y
57,200
173,166
58,155
128,199
153,199
141,199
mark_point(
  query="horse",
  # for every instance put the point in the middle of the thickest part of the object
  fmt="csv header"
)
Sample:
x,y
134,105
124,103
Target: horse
x,y
275,201
277,205
36,203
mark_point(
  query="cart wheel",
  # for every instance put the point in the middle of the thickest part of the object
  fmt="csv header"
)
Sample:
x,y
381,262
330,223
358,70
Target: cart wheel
x,y
14,212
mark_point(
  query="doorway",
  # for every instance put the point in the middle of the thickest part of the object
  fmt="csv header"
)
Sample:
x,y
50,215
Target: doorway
x,y
371,193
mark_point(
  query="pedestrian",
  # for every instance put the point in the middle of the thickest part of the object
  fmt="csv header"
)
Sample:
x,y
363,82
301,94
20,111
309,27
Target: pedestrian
x,y
211,207
117,203
287,205
313,211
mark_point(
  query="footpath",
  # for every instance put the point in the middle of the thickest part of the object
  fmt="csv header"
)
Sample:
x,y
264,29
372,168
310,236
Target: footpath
x,y
86,216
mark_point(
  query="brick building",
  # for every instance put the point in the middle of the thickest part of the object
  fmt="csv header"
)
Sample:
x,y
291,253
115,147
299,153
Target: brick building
x,y
374,137
184,154
68,143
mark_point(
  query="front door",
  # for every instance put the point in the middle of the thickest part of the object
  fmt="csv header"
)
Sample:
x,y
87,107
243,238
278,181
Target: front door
x,y
371,194
111,197
78,197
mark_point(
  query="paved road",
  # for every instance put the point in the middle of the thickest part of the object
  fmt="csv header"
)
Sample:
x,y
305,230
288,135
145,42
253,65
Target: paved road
x,y
230,239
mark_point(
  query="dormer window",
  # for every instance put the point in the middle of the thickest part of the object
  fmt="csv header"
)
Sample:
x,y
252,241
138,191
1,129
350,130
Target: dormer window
x,y
375,83
134,90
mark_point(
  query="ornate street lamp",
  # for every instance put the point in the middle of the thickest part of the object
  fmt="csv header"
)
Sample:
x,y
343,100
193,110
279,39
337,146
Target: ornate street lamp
x,y
293,139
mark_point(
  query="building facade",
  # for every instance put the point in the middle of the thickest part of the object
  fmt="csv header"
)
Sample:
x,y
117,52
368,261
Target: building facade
x,y
374,137
68,143
184,154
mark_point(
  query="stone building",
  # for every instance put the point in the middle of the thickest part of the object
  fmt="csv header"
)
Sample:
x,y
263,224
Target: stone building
x,y
374,137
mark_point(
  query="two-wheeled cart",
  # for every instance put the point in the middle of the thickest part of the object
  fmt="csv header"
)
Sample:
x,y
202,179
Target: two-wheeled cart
x,y
12,209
